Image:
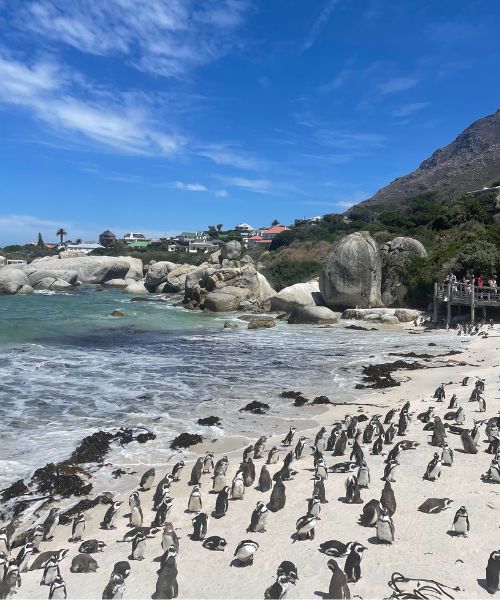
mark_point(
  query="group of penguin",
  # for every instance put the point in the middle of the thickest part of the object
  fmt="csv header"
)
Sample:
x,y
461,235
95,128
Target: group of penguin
x,y
347,438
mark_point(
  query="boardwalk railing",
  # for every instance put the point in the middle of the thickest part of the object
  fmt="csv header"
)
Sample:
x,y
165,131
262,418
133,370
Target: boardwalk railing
x,y
465,295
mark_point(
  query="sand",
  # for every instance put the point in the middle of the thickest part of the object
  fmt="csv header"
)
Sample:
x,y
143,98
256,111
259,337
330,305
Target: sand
x,y
422,546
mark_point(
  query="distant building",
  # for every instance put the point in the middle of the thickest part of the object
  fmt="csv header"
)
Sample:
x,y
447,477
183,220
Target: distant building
x,y
244,228
188,237
266,236
83,248
107,238
134,237
139,244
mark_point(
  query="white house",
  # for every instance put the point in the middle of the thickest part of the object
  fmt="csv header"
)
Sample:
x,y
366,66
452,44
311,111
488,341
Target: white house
x,y
83,248
244,228
128,238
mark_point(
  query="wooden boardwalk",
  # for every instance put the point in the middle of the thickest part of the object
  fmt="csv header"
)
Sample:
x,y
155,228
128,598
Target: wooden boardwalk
x,y
461,294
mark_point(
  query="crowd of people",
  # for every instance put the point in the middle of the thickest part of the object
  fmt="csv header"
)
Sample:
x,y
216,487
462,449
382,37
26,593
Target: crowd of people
x,y
469,280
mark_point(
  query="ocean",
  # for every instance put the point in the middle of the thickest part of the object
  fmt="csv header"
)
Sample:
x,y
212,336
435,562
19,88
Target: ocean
x,y
68,368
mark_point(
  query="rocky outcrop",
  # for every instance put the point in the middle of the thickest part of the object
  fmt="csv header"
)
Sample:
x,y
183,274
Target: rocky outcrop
x,y
157,273
230,254
89,269
136,269
12,281
297,295
262,323
135,287
35,276
385,315
116,283
352,273
395,254
312,315
225,300
51,283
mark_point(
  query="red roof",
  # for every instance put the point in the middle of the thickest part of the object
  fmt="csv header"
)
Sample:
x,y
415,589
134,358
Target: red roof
x,y
276,229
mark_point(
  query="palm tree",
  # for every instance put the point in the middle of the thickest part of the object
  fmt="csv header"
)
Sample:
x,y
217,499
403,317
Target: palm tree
x,y
61,232
472,208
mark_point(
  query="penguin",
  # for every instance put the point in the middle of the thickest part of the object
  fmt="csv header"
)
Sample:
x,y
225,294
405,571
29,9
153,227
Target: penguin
x,y
169,538
24,556
475,432
481,404
304,528
195,503
493,572
368,433
162,490
177,470
278,496
289,570
197,471
289,437
394,452
390,434
91,546
314,506
357,453
122,568
221,466
370,514
200,527
166,584
493,473
438,433
219,482
58,589
4,542
338,589
321,469
446,455
163,512
389,416
50,524
245,552
340,445
260,447
390,470
273,456
138,546
320,440
468,443
453,402
435,505
352,490
319,489
136,516
51,571
83,563
336,548
115,588
215,543
385,528
287,461
352,428
460,416
248,452
334,436
426,416
110,516
387,499
352,566
248,470
36,537
259,519
78,528
378,446
238,486
363,476
278,589
461,523
440,393
3,566
42,559
433,470
222,503
147,480
11,581
403,422
299,448
265,481
208,463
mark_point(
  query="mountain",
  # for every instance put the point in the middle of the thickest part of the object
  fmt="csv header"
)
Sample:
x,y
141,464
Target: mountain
x,y
470,162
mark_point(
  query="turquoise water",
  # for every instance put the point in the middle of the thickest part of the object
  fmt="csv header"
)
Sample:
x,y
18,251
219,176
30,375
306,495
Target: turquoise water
x,y
68,369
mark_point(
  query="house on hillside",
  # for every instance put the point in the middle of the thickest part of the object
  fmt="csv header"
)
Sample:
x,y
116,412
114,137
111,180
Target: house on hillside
x,y
131,237
188,237
265,237
107,238
83,248
244,228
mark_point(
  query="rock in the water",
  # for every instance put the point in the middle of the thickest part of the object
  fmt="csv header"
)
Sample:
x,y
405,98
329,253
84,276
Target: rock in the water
x,y
12,280
25,290
135,287
230,325
256,407
297,295
395,254
118,313
403,315
35,276
314,315
117,283
262,323
389,320
185,440
352,273
90,269
321,400
210,421
226,299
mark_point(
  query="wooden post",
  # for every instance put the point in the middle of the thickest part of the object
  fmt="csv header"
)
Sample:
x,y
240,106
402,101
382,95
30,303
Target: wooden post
x,y
472,304
448,307
435,318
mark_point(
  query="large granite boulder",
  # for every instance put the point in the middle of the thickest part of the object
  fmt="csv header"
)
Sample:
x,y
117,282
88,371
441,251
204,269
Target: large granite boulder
x,y
89,269
395,254
136,270
135,287
225,300
157,273
312,315
12,280
176,278
230,250
3,261
115,283
352,273
403,315
299,294
35,276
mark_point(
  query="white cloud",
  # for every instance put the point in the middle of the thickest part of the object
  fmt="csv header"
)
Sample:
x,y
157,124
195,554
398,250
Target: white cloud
x,y
407,110
260,186
397,84
319,24
227,155
221,194
190,187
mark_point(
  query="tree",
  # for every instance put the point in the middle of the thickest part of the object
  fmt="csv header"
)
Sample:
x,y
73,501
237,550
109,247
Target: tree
x,y
275,222
61,232
472,208
219,227
212,231
40,243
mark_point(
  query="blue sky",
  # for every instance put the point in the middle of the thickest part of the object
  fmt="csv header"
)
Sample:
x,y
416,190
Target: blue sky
x,y
166,115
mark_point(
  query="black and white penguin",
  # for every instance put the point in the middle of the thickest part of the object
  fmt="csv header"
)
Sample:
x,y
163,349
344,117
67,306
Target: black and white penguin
x,y
493,572
110,516
258,520
138,546
288,460
370,514
11,580
200,527
390,434
208,463
426,416
23,557
493,473
166,584
238,486
319,489
440,393
278,496
363,476
260,447
91,546
460,416
50,571
304,528
177,470
289,437
394,452
435,505
4,561
195,503
378,446
169,538
433,470
58,589
115,588
221,466
299,448
321,469
390,470
50,524
78,528
43,558
352,428
147,479
387,499
385,527
340,445
248,452
4,542
468,443
368,433
222,502
389,416
273,456
336,548
438,433
278,589
36,537
453,402
465,381
338,590
197,471
334,436
352,491
83,563
136,516
481,404
219,482
314,506
162,490
404,419
289,570
446,455
461,523
215,543
248,469
265,481
352,566
245,552
357,453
